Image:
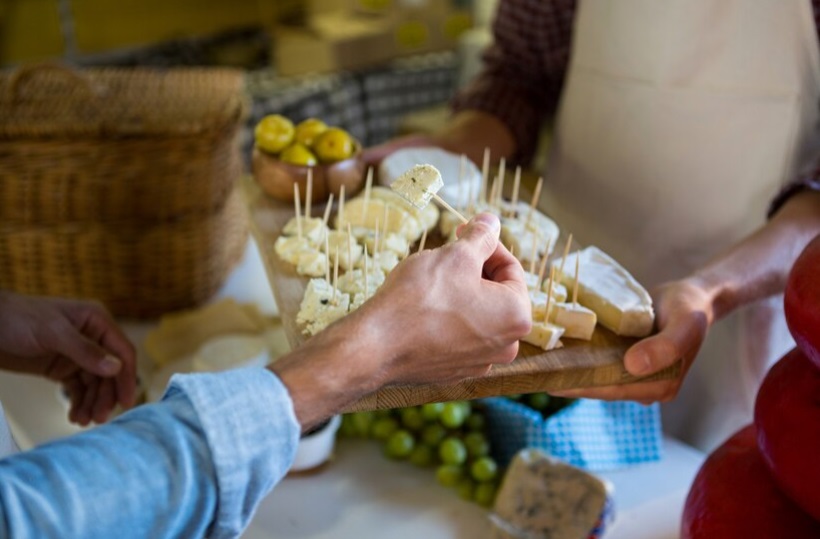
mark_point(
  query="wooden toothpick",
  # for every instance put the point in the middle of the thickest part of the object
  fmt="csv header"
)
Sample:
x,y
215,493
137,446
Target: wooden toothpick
x,y
341,213
376,240
335,274
516,186
423,240
502,173
368,184
384,225
297,208
327,258
309,192
349,247
533,252
450,208
549,295
493,192
566,253
329,205
366,288
535,196
543,267
575,284
485,176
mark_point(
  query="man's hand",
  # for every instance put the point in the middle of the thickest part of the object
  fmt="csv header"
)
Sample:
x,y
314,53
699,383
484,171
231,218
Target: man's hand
x,y
684,313
442,315
75,343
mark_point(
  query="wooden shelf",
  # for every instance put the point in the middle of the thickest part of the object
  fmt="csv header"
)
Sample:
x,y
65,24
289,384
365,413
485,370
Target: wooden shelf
x,y
578,364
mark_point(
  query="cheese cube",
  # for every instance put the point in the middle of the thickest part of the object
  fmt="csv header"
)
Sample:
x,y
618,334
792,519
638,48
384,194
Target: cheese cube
x,y
620,302
428,217
419,184
578,321
533,283
290,248
365,217
318,310
538,301
559,291
352,282
392,242
312,264
545,335
313,229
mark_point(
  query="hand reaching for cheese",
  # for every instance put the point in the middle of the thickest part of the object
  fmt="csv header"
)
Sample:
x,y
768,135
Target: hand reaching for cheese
x,y
75,343
442,315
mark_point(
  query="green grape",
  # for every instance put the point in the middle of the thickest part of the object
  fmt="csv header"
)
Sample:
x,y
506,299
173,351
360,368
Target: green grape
x,y
477,445
399,445
484,494
449,475
538,401
361,423
347,428
422,456
452,451
433,434
431,411
465,488
476,422
452,415
381,414
484,469
514,397
383,428
412,419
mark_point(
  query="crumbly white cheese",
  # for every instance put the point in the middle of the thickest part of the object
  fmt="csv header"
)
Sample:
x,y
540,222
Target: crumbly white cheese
x,y
313,229
318,308
338,242
352,282
312,264
578,321
291,248
541,497
419,184
361,216
428,217
545,335
621,303
392,242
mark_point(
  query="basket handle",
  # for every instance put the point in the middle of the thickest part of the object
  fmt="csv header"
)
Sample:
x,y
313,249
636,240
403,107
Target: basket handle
x,y
30,71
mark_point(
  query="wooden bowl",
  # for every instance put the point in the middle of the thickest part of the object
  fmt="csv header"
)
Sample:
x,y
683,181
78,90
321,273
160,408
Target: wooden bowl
x,y
277,177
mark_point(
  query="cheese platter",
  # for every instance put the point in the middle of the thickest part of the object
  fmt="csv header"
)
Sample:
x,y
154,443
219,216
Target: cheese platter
x,y
576,364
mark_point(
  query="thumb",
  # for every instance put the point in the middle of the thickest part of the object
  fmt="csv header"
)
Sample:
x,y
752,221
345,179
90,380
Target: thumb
x,y
680,338
90,356
481,234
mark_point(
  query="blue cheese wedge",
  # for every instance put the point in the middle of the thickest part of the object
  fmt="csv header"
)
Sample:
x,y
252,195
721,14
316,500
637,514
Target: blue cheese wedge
x,y
578,321
418,185
545,335
541,497
620,302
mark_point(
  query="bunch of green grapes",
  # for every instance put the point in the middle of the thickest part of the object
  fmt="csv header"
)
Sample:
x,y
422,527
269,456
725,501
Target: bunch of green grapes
x,y
450,436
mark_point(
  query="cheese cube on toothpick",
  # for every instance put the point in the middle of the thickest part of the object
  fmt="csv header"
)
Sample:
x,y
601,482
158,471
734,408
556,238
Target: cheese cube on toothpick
x,y
421,184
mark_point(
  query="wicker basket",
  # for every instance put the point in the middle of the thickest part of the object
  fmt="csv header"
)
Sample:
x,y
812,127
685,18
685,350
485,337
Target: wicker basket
x,y
119,184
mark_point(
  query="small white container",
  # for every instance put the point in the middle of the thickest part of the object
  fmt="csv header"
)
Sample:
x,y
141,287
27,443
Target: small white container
x,y
231,352
316,448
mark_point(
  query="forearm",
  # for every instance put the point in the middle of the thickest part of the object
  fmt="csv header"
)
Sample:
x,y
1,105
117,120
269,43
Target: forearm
x,y
194,465
758,266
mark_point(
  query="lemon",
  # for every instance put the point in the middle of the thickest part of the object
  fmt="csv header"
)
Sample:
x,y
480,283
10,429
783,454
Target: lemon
x,y
298,154
334,145
308,130
412,35
274,133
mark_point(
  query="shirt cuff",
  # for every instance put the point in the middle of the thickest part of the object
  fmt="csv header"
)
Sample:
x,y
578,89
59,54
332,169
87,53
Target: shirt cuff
x,y
810,182
251,428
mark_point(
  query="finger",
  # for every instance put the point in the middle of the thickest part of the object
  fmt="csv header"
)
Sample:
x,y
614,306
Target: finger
x,y
480,235
87,354
503,267
106,399
86,408
75,391
101,327
681,337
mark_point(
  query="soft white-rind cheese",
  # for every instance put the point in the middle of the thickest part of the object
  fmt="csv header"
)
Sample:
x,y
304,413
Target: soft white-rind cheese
x,y
578,321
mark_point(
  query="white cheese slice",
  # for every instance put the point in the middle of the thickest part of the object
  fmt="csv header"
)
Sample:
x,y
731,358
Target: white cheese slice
x,y
291,248
545,335
418,184
578,321
621,303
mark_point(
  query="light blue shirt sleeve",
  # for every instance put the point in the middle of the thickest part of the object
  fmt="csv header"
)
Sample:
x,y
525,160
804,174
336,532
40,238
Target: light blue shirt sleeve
x,y
196,464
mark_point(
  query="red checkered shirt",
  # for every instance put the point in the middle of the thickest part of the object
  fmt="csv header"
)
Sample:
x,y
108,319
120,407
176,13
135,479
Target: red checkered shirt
x,y
524,71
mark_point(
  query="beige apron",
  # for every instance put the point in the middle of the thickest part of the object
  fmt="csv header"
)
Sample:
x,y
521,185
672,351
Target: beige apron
x,y
679,121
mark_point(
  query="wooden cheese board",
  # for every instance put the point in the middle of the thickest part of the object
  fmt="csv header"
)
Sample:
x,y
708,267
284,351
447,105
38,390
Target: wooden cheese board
x,y
578,364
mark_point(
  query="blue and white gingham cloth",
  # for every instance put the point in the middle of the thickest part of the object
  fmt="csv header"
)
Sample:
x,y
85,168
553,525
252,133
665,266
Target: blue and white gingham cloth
x,y
591,434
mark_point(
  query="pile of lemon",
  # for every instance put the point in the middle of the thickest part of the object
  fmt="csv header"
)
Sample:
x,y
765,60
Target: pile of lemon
x,y
308,143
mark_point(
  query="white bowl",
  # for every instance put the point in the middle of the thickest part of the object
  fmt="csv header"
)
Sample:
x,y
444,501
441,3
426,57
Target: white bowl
x,y
316,448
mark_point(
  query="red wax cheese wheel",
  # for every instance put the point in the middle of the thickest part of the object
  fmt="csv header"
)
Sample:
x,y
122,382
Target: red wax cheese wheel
x,y
802,301
787,417
734,497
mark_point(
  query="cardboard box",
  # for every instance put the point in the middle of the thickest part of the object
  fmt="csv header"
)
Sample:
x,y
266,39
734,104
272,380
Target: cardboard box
x,y
331,42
